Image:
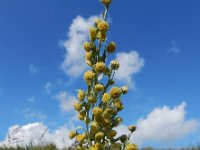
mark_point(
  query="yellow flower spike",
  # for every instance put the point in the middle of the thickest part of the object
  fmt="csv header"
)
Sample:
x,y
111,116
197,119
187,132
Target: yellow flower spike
x,y
106,2
77,106
97,111
72,134
103,26
115,92
101,36
81,95
131,147
93,34
98,88
99,136
106,123
89,76
111,47
132,128
94,126
106,98
92,99
87,46
100,67
114,65
111,134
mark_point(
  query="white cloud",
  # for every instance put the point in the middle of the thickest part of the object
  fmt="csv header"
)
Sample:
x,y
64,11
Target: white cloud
x,y
31,99
34,69
66,101
74,64
162,125
174,49
37,134
130,64
48,87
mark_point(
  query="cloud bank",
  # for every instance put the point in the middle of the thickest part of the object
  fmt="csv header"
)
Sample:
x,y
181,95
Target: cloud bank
x,y
162,125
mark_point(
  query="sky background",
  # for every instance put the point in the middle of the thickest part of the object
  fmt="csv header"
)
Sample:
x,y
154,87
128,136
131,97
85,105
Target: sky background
x,y
160,39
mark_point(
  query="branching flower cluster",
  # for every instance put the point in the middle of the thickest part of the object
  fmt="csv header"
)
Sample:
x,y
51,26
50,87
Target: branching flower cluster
x,y
98,107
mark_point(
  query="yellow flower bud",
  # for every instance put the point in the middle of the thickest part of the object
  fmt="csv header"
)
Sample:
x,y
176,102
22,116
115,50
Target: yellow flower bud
x,y
77,106
89,76
88,55
111,47
80,137
72,134
92,99
87,120
111,134
106,97
106,2
98,88
99,136
131,147
132,128
115,92
81,116
124,89
117,104
97,111
103,26
81,95
114,65
87,46
100,67
101,36
93,34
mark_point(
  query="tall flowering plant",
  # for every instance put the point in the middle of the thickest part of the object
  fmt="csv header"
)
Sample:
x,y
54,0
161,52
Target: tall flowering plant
x,y
99,105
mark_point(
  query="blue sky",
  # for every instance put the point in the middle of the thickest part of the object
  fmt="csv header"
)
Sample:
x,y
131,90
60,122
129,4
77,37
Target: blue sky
x,y
165,34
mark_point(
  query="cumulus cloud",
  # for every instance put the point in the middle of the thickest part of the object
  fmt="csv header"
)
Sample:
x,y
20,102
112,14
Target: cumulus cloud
x,y
162,125
74,64
66,101
34,69
37,134
130,64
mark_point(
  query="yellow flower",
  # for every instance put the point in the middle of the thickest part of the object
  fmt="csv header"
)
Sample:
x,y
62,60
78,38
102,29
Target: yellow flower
x,y
87,46
101,36
98,88
108,112
94,126
106,2
93,34
106,123
132,128
106,97
131,147
72,134
103,26
81,116
100,67
117,121
118,105
81,95
88,56
111,47
115,92
114,65
115,146
89,76
80,137
92,99
96,111
99,136
124,89
111,134
77,106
